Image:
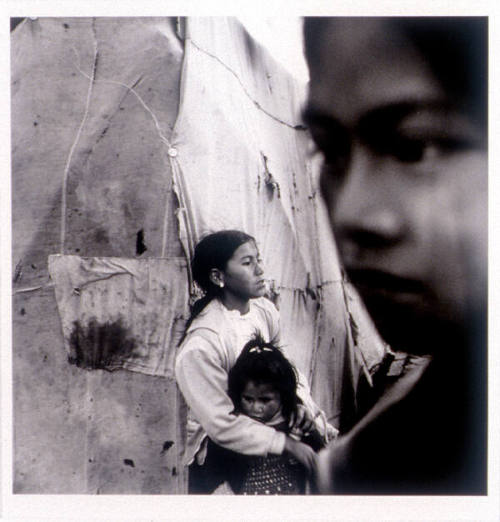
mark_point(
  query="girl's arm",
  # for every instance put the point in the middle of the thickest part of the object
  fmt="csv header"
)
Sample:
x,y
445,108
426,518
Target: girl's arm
x,y
302,452
203,382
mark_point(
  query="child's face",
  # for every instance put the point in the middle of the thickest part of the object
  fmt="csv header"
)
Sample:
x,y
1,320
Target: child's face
x,y
260,401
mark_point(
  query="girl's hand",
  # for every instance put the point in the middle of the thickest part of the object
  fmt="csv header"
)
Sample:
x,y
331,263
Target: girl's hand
x,y
302,420
302,452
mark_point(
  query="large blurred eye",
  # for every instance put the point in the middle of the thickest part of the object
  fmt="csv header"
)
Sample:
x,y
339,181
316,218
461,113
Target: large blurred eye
x,y
336,158
334,143
409,150
413,150
427,135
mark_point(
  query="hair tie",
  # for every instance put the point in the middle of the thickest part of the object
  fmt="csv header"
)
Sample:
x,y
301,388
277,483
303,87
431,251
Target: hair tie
x,y
259,349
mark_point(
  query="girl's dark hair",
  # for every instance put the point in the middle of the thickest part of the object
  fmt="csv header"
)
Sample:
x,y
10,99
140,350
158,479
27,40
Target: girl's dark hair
x,y
264,363
213,251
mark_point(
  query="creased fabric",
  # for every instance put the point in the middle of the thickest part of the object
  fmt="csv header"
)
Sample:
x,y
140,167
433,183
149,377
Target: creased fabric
x,y
99,134
242,160
121,313
239,157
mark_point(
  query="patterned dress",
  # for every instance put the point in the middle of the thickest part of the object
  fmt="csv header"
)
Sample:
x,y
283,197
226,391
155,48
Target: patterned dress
x,y
274,474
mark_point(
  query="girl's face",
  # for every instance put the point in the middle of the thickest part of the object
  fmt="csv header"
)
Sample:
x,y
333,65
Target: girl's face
x,y
260,401
243,276
404,178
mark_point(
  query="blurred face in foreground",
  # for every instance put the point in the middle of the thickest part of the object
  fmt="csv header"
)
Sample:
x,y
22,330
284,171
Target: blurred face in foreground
x,y
404,179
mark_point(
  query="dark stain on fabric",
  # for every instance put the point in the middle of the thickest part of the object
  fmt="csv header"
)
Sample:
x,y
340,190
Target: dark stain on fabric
x,y
310,292
103,133
101,236
100,346
129,462
250,47
166,446
354,329
269,77
271,184
140,247
18,272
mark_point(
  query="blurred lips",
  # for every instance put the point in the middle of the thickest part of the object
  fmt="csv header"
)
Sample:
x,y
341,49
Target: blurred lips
x,y
375,281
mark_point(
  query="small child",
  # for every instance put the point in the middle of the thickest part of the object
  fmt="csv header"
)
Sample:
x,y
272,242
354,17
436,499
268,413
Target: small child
x,y
263,385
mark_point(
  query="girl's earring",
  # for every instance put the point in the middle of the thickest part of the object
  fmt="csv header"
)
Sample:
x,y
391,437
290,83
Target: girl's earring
x,y
221,284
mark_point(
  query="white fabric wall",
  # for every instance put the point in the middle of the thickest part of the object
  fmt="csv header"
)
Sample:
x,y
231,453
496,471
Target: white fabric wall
x,y
241,158
121,126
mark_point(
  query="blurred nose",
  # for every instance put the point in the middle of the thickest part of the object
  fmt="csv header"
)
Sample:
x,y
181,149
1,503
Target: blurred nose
x,y
258,268
257,408
365,212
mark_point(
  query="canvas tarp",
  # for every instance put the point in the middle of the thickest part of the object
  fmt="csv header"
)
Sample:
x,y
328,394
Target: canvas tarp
x,y
121,313
91,100
130,140
241,158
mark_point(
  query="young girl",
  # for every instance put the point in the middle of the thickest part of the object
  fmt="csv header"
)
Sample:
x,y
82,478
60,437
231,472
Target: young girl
x,y
227,267
263,386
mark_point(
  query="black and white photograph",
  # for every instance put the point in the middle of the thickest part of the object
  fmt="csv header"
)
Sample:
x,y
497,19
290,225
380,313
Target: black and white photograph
x,y
249,255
